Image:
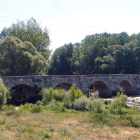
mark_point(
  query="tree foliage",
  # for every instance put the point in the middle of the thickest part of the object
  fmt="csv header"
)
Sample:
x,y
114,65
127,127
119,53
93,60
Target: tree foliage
x,y
99,54
61,60
20,58
31,32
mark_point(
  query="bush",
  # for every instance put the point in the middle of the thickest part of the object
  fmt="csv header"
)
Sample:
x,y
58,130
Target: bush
x,y
27,106
75,94
59,95
81,103
52,104
79,93
118,103
72,93
36,109
67,99
4,94
38,103
94,95
8,107
61,109
89,106
96,105
47,95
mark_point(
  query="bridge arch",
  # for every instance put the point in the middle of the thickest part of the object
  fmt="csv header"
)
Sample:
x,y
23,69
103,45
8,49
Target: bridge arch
x,y
23,91
101,87
126,87
65,85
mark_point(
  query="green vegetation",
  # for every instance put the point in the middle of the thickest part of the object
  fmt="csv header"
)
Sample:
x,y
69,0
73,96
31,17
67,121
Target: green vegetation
x,y
22,57
98,54
4,94
103,53
24,49
69,115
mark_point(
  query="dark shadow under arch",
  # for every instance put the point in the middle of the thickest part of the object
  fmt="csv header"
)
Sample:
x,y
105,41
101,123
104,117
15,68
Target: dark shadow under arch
x,y
101,87
65,86
20,94
125,87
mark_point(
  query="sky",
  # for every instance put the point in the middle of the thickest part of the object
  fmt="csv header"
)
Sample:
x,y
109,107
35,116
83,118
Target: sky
x,y
72,20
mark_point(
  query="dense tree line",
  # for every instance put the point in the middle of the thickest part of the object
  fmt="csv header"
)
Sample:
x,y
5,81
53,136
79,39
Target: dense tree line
x,y
98,54
24,51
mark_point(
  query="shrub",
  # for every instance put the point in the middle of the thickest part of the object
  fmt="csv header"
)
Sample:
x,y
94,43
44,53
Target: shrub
x,y
81,103
79,93
4,94
118,103
8,107
59,95
47,95
67,99
61,109
96,105
36,109
38,103
27,106
89,106
73,93
95,95
52,104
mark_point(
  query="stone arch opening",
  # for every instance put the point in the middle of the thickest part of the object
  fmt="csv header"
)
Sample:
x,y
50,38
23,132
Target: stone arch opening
x,y
101,87
65,86
20,94
125,87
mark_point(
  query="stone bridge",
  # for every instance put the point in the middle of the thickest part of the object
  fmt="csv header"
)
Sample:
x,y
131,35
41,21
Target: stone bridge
x,y
106,85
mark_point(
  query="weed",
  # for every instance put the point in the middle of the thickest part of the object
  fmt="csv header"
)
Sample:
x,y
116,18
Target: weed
x,y
114,130
65,132
2,121
13,112
25,130
36,109
47,135
8,107
51,128
8,127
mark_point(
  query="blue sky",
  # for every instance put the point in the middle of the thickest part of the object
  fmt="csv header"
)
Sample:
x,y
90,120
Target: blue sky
x,y
71,20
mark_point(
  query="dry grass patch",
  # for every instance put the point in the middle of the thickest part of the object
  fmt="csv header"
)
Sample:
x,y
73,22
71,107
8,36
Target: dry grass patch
x,y
8,134
70,122
26,118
